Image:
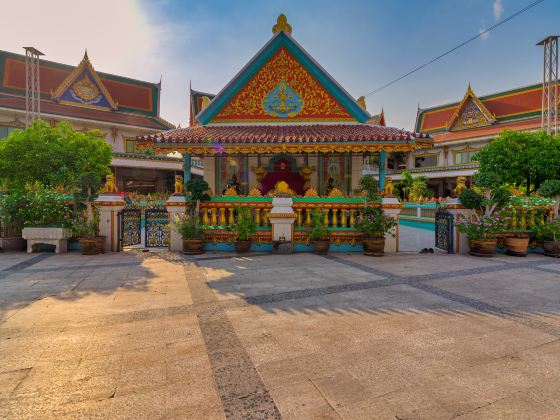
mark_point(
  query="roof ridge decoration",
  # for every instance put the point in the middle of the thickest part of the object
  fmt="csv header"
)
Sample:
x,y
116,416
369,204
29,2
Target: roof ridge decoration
x,y
282,83
471,113
83,87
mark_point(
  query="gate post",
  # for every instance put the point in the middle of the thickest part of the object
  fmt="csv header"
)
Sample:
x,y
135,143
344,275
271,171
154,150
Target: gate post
x,y
176,206
457,210
109,205
392,207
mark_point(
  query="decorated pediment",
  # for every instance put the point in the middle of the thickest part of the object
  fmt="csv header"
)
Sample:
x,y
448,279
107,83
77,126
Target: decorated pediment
x,y
282,83
83,87
471,113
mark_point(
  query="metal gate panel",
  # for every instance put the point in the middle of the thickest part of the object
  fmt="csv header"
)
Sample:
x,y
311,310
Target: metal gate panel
x,y
130,229
444,225
156,228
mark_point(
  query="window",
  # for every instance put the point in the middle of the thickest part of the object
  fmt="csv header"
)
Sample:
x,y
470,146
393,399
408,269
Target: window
x,y
425,161
4,131
130,146
464,156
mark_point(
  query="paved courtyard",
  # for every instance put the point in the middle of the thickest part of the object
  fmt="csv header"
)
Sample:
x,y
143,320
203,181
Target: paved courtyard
x,y
158,335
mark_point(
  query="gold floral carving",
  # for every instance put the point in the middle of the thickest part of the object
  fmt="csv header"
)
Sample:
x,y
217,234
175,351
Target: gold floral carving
x,y
247,104
335,192
254,192
311,192
230,192
85,89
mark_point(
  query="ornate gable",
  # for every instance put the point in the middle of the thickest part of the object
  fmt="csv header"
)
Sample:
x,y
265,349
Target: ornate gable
x,y
282,84
83,87
471,113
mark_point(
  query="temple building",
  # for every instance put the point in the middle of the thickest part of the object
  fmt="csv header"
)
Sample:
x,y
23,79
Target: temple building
x,y
462,128
122,108
283,118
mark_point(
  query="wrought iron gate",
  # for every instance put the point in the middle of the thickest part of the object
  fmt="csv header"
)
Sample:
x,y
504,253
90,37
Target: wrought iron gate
x,y
156,228
130,230
444,229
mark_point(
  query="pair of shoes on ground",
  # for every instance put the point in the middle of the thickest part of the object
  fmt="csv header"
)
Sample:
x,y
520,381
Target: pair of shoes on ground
x,y
427,251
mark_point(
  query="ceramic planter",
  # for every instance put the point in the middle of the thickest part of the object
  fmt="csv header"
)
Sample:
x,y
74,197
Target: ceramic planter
x,y
374,247
483,247
193,246
242,247
517,246
89,246
552,248
321,247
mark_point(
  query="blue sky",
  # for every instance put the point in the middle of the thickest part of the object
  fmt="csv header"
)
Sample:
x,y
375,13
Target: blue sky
x,y
363,44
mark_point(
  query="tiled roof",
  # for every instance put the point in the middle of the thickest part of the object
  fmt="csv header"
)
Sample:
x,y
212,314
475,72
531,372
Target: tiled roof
x,y
47,107
486,131
313,133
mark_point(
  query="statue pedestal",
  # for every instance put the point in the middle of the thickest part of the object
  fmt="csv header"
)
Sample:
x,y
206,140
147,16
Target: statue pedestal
x,y
282,218
392,207
109,205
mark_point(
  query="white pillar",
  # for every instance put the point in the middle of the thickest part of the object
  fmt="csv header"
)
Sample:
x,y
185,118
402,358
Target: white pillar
x,y
176,207
282,218
460,241
109,205
392,207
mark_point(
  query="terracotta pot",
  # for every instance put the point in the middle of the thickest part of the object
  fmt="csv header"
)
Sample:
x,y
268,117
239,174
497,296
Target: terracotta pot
x,y
243,247
374,247
89,246
551,248
517,246
321,247
101,243
193,246
483,247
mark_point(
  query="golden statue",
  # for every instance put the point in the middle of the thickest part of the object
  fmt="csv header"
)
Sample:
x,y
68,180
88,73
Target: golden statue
x,y
205,102
362,102
282,188
179,185
389,187
110,184
306,173
260,173
461,185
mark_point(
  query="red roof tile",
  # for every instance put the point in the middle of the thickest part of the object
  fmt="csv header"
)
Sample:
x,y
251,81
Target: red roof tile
x,y
486,131
313,133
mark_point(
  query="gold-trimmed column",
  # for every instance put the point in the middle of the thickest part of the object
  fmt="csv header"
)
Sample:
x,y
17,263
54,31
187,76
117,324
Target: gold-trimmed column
x,y
109,206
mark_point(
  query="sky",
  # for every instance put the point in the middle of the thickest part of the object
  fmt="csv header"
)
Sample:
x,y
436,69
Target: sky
x,y
363,44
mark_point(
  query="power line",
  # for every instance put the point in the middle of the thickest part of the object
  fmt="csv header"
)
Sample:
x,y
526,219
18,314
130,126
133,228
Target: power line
x,y
481,33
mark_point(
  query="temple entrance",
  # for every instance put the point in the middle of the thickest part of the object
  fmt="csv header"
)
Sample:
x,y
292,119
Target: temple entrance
x,y
283,169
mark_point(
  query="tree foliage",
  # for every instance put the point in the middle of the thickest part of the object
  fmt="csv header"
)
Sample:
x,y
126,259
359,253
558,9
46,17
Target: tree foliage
x,y
521,158
52,156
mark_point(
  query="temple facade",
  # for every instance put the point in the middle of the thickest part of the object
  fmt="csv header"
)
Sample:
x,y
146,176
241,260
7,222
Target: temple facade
x,y
283,118
122,108
460,129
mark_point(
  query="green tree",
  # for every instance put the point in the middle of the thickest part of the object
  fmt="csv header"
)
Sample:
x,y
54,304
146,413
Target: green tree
x,y
521,158
52,156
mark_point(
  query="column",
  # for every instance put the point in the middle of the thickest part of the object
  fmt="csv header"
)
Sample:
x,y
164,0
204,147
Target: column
x,y
186,167
392,207
382,168
109,206
176,207
460,241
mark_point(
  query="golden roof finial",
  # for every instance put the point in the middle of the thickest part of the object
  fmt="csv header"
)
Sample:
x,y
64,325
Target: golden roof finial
x,y
282,25
362,102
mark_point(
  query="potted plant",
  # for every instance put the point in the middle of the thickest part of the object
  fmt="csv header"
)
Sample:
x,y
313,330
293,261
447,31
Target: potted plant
x,y
551,188
193,236
374,225
319,232
244,229
517,243
486,222
86,232
87,188
12,218
549,235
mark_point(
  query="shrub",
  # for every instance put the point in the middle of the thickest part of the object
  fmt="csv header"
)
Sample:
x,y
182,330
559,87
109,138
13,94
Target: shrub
x,y
319,230
245,227
375,223
187,226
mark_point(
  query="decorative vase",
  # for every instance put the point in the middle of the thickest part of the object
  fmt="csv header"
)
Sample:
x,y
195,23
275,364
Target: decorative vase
x,y
100,243
89,246
483,247
551,248
517,246
242,247
374,247
193,246
321,247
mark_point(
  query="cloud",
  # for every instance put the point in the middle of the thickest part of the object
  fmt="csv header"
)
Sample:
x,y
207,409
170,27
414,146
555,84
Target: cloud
x,y
498,9
118,35
484,36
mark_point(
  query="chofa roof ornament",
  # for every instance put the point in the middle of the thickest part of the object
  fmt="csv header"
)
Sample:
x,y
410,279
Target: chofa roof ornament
x,y
282,25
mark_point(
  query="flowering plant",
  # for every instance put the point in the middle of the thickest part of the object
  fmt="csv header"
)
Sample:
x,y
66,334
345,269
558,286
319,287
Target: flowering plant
x,y
375,224
483,226
549,231
187,226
